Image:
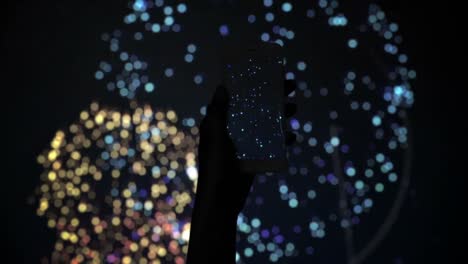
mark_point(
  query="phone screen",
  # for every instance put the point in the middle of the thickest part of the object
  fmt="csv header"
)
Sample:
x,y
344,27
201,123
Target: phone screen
x,y
254,78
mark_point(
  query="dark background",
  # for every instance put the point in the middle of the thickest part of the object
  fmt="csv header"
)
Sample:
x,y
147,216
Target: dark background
x,y
47,78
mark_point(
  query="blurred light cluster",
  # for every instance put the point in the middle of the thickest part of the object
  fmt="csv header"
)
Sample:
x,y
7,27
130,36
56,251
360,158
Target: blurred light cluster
x,y
351,151
117,186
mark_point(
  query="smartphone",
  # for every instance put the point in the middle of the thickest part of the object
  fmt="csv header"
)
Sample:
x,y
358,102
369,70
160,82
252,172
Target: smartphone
x,y
254,78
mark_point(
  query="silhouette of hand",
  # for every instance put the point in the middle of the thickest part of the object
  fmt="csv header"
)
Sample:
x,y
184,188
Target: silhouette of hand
x,y
221,190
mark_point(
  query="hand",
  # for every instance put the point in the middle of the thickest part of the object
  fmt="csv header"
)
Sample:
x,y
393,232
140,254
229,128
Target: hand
x,y
221,189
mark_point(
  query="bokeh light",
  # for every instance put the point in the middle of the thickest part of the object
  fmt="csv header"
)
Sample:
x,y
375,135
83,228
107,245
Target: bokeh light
x,y
118,187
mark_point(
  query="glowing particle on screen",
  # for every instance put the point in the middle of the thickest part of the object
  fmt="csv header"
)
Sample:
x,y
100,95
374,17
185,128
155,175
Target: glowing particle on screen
x,y
269,17
352,43
149,87
310,13
169,72
156,28
265,37
376,121
224,30
169,20
198,79
182,8
286,7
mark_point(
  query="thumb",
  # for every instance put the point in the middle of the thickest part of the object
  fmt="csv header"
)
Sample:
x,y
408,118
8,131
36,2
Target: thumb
x,y
219,102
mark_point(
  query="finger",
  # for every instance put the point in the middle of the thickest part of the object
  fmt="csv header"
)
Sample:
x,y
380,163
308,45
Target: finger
x,y
219,101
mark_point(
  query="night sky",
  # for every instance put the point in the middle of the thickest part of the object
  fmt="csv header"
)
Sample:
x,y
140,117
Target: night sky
x,y
52,50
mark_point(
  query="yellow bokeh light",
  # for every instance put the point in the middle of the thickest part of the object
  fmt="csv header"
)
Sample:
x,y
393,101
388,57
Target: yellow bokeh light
x,y
82,207
44,204
53,154
65,235
102,152
52,176
126,260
